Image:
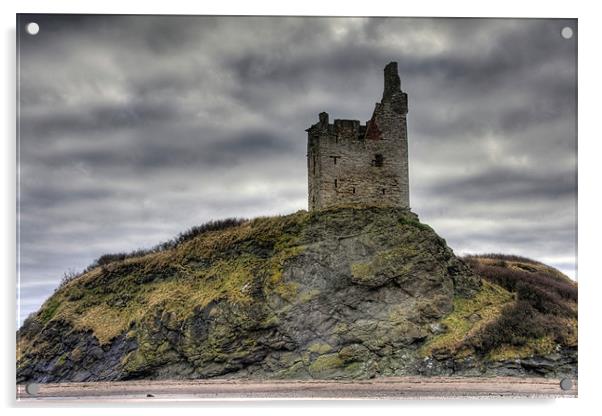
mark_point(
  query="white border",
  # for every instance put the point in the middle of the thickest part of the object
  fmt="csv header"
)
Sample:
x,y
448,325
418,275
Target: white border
x,y
590,234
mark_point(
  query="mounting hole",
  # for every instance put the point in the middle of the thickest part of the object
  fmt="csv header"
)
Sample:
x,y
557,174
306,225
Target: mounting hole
x,y
32,28
32,389
566,32
566,384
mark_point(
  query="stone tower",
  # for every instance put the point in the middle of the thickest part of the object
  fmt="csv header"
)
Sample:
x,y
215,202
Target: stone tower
x,y
365,165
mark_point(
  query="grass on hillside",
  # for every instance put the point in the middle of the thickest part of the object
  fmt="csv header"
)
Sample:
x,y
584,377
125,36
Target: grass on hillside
x,y
226,263
524,308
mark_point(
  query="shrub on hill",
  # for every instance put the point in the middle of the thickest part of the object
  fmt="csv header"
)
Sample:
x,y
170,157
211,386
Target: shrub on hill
x,y
545,306
191,233
503,257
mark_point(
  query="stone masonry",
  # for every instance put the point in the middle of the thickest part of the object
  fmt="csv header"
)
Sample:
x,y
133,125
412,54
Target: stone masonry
x,y
365,165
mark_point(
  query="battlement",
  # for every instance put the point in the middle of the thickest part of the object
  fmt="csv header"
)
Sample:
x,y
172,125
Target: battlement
x,y
350,129
350,163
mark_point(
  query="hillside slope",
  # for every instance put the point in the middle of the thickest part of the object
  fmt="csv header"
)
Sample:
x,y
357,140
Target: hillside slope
x,y
344,293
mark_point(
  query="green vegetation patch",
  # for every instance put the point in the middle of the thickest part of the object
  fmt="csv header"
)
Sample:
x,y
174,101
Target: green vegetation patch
x,y
48,310
385,266
319,347
468,317
537,346
325,365
414,222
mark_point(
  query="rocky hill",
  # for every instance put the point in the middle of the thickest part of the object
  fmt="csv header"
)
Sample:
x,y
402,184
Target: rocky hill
x,y
343,293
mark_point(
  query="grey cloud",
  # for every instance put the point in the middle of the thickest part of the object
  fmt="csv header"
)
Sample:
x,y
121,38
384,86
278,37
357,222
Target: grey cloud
x,y
167,151
101,119
501,185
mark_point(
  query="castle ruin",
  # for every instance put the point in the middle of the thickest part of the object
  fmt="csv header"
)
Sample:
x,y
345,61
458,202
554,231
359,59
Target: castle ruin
x,y
366,165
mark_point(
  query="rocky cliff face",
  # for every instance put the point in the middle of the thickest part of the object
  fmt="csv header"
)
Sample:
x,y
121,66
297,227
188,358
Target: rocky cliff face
x,y
344,293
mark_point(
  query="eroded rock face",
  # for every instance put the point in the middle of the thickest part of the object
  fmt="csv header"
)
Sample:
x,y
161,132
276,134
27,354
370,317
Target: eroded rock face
x,y
366,296
74,356
361,292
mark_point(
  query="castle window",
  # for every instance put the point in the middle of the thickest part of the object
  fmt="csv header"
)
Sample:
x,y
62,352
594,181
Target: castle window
x,y
353,190
334,159
378,160
335,183
384,191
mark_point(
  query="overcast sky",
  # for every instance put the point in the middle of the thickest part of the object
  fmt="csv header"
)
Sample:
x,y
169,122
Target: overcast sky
x,y
135,128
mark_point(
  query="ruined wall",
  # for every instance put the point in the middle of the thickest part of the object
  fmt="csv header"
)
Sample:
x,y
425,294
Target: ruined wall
x,y
367,165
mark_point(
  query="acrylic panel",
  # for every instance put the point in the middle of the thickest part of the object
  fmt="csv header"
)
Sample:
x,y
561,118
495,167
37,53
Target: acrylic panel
x,y
301,207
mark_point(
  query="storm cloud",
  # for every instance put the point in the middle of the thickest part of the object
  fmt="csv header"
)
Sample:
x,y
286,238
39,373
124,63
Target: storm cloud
x,y
135,128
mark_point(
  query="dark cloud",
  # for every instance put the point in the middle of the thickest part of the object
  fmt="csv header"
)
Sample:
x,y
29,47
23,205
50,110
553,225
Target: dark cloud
x,y
510,185
134,128
100,119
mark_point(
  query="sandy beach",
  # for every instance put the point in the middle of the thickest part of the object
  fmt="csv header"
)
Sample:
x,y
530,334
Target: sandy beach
x,y
381,388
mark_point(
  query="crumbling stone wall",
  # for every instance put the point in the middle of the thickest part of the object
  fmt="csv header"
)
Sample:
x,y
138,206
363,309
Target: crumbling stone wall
x,y
367,165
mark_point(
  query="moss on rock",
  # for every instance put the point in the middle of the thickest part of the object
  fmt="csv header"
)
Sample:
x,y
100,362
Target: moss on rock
x,y
468,316
326,366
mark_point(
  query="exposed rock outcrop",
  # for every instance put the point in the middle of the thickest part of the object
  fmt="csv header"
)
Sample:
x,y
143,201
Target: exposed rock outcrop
x,y
344,293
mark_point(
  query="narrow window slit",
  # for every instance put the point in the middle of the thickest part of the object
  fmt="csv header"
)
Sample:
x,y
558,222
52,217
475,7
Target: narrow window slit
x,y
378,160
